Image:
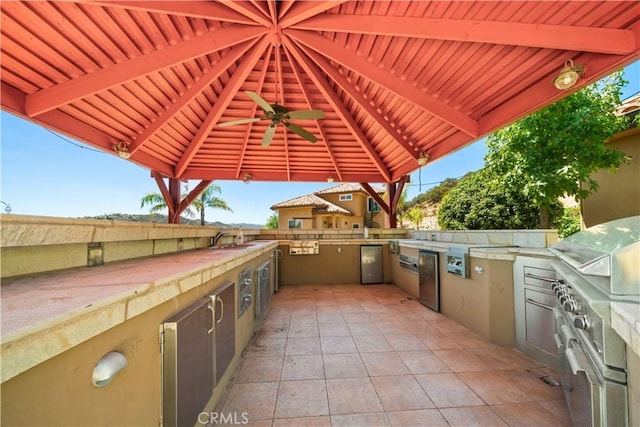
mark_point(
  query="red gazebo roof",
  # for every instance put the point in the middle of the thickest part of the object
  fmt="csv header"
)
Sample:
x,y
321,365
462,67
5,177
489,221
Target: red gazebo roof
x,y
394,78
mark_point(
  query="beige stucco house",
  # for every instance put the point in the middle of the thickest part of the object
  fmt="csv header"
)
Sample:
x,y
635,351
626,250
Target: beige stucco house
x,y
341,206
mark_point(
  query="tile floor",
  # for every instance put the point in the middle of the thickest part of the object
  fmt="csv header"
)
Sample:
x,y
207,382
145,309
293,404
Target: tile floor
x,y
372,356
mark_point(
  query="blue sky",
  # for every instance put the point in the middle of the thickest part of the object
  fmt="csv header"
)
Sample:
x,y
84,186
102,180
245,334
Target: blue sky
x,y
42,174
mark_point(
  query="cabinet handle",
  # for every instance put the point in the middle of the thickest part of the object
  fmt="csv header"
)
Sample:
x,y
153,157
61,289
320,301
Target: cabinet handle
x,y
539,304
546,279
221,308
212,307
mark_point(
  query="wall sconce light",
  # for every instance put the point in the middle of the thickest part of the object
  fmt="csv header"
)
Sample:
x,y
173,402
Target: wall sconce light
x,y
423,158
107,368
568,76
330,178
246,178
122,150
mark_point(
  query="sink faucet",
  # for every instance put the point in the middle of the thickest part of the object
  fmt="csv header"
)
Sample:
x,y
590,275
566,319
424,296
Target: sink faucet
x,y
219,235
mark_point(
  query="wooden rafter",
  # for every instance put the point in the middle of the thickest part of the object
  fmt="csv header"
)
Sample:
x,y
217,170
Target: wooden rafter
x,y
196,9
248,10
361,101
314,73
280,85
306,9
323,135
205,80
382,77
64,93
237,79
572,38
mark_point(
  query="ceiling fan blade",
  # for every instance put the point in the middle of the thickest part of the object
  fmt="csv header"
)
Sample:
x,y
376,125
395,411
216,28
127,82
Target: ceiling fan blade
x,y
300,131
306,114
240,122
260,101
268,135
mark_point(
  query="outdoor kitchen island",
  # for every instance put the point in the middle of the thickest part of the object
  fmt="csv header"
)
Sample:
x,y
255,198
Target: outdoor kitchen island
x,y
57,326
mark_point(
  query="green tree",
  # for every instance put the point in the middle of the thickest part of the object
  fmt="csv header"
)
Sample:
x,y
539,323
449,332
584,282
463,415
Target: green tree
x,y
481,202
552,152
272,222
206,199
415,215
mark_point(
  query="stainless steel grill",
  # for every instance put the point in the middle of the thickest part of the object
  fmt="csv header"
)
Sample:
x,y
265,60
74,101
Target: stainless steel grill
x,y
596,267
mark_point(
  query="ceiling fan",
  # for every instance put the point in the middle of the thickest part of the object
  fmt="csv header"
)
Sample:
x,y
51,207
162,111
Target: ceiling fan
x,y
279,114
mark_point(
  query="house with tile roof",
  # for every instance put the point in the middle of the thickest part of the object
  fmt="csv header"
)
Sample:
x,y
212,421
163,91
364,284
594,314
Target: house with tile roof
x,y
341,206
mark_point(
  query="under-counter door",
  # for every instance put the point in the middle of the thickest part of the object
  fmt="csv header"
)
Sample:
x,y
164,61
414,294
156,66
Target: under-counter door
x,y
187,364
429,279
225,329
370,264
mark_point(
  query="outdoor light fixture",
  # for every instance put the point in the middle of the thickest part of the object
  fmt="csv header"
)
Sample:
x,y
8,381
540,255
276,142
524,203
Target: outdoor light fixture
x,y
330,178
568,76
246,178
7,208
423,158
122,150
107,368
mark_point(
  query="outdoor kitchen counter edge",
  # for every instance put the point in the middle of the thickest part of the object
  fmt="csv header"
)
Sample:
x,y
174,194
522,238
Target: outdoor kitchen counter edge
x,y
625,320
45,315
497,252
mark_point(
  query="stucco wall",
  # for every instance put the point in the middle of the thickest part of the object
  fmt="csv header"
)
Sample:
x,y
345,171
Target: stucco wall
x,y
59,391
619,192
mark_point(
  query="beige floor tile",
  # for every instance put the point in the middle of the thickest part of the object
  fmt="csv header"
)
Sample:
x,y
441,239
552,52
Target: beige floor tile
x,y
267,347
359,420
498,387
375,309
258,400
558,408
462,360
436,340
363,328
336,345
394,327
401,393
303,330
352,396
501,358
329,315
469,340
423,417
479,416
298,346
306,367
260,369
323,421
449,326
423,362
371,343
409,317
387,363
527,414
273,331
334,329
343,366
302,399
382,316
361,317
405,342
355,307
447,390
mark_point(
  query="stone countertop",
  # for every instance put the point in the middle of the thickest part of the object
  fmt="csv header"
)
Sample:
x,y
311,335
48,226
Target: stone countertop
x,y
57,311
479,250
625,320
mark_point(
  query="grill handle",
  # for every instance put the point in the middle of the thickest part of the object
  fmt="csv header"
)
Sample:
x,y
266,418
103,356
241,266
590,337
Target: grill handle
x,y
559,344
534,302
545,279
578,363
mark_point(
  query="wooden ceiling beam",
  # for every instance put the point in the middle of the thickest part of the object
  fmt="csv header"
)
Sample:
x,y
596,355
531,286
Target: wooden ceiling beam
x,y
306,9
277,175
205,80
193,194
316,75
220,105
280,83
563,37
365,104
394,84
323,134
64,93
195,9
249,11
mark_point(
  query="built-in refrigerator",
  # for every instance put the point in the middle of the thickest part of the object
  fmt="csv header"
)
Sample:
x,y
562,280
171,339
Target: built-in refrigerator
x,y
370,264
429,279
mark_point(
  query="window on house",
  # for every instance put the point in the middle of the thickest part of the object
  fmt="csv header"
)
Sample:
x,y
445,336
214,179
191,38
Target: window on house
x,y
355,225
346,197
295,223
372,206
